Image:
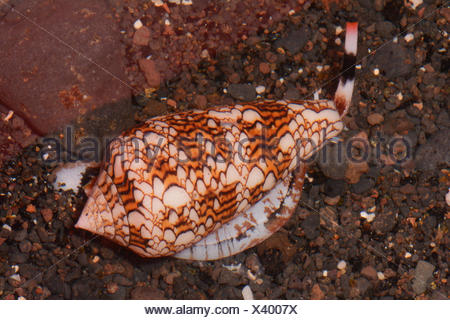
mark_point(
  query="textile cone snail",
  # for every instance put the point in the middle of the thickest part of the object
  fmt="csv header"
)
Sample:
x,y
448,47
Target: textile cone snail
x,y
208,184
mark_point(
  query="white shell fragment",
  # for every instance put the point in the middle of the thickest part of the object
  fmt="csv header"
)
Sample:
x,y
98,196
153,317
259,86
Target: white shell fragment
x,y
8,116
381,276
68,176
368,216
414,3
247,293
138,24
157,3
342,265
409,37
260,89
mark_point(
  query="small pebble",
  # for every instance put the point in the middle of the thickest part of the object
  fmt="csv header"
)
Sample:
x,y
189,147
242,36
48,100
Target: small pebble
x,y
447,197
260,89
419,106
408,255
157,3
414,3
341,265
6,227
47,214
325,273
369,272
375,118
247,293
409,37
8,116
381,276
376,71
339,30
368,216
30,208
233,267
141,36
96,259
204,54
250,275
400,96
264,67
423,275
15,277
112,287
137,24
317,293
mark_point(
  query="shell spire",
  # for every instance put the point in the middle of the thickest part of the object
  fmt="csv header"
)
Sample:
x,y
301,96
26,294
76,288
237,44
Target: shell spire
x,y
208,184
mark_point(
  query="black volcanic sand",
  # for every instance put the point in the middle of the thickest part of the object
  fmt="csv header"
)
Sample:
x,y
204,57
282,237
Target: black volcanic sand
x,y
327,250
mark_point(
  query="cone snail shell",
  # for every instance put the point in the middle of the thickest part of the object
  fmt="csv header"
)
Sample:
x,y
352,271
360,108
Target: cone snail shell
x,y
208,184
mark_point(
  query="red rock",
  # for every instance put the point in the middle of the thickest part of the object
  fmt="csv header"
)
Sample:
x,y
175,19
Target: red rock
x,y
151,73
14,134
141,36
54,74
47,214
